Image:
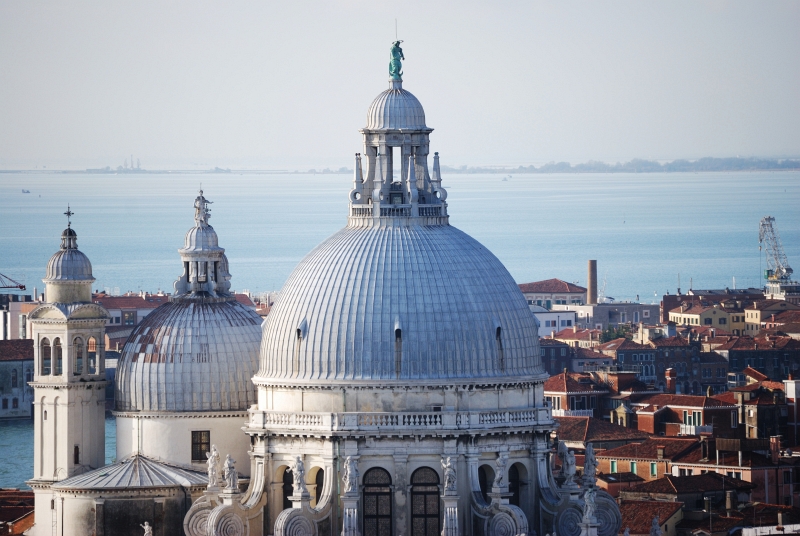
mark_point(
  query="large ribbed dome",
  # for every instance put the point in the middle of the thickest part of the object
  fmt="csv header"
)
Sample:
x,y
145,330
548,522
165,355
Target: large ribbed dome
x,y
69,263
190,356
396,108
458,311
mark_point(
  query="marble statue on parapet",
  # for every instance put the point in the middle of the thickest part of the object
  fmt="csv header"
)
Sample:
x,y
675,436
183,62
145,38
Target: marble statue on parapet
x,y
500,473
231,476
590,466
569,465
589,506
350,477
449,474
213,466
655,528
298,474
148,529
395,66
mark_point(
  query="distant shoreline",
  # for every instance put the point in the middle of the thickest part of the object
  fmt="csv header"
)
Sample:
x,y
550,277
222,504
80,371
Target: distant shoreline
x,y
702,165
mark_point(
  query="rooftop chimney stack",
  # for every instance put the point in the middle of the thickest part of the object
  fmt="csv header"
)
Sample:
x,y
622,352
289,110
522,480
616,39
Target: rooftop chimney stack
x,y
591,282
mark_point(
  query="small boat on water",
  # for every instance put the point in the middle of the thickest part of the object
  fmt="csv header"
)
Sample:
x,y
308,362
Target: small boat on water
x,y
26,191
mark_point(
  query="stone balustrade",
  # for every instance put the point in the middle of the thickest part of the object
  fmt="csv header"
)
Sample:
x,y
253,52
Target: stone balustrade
x,y
377,421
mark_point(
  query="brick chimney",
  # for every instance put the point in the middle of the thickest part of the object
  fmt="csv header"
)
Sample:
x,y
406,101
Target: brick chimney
x,y
672,380
775,448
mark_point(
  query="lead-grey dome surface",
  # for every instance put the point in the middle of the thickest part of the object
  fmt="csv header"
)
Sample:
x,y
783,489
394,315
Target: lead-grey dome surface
x,y
190,355
396,108
336,317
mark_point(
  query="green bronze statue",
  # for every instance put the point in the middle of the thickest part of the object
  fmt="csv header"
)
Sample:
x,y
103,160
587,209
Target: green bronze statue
x,y
395,67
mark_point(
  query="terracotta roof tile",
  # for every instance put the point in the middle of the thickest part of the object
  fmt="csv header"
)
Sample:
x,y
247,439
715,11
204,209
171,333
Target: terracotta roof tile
x,y
551,286
692,483
573,382
16,350
667,399
648,449
622,344
150,301
571,334
588,429
615,478
669,342
637,516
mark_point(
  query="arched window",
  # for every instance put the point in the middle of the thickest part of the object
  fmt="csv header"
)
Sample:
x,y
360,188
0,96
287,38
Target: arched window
x,y
77,346
45,357
14,379
425,502
91,353
513,484
288,488
398,352
485,480
57,362
498,337
377,502
76,455
319,480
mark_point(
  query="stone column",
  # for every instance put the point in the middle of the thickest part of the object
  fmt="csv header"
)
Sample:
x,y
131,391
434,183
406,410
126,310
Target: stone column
x,y
350,515
99,517
401,489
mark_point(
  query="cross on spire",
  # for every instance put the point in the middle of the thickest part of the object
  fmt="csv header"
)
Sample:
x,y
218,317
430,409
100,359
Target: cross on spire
x,y
69,215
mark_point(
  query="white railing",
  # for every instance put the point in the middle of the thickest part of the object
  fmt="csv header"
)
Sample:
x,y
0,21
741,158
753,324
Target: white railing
x,y
688,429
436,420
573,413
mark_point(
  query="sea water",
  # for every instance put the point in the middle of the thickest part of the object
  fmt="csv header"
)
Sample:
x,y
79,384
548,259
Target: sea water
x,y
645,230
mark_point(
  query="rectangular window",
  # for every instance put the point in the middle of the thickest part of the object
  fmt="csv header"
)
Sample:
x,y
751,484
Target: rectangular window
x,y
129,318
201,443
14,403
653,469
787,477
5,403
708,321
633,467
613,466
563,352
116,320
734,419
723,321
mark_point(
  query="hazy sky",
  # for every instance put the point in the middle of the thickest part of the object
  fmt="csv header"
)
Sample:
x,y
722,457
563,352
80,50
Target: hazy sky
x,y
287,84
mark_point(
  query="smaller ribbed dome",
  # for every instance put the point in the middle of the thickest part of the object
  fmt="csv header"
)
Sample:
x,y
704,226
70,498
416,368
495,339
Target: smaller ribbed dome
x,y
396,108
68,263
201,238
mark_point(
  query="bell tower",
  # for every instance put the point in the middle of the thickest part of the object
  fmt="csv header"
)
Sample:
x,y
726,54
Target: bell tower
x,y
68,331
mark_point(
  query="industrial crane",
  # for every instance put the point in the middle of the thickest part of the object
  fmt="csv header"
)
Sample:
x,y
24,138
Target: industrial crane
x,y
7,282
778,268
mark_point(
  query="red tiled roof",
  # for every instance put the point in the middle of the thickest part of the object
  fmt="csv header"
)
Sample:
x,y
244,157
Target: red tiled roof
x,y
785,317
637,516
669,342
706,331
762,305
588,429
621,344
614,478
570,382
551,286
550,342
692,483
685,401
571,334
648,449
709,358
753,373
244,299
590,353
16,350
763,342
150,301
693,309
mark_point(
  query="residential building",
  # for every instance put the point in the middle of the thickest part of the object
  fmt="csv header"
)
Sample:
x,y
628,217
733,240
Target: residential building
x,y
637,517
553,291
16,511
13,313
672,415
556,355
579,338
16,370
774,476
129,309
573,394
552,321
774,356
639,356
650,459
761,408
615,483
587,360
708,315
577,432
743,295
611,314
690,490
758,313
